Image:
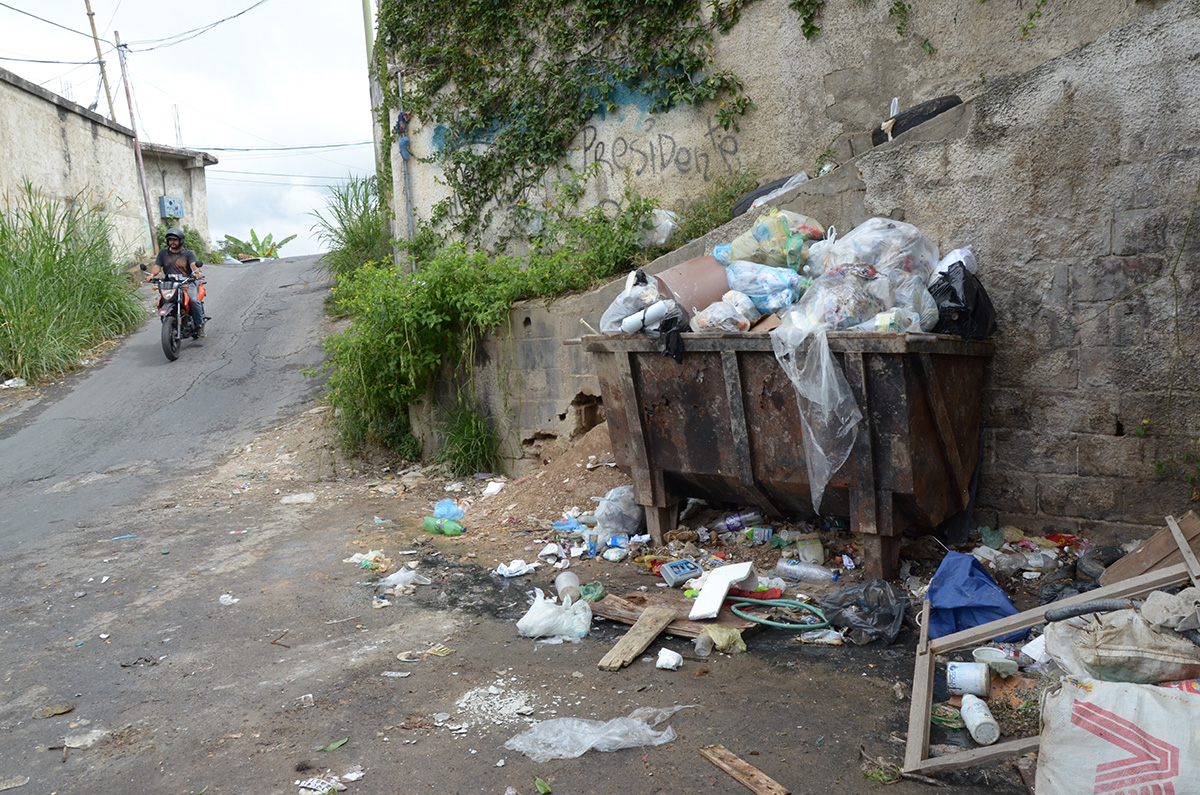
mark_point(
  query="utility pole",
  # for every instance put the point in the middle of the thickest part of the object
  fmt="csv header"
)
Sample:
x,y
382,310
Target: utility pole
x,y
137,145
112,114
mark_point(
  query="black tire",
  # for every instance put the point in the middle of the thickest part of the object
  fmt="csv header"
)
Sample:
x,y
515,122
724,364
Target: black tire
x,y
917,114
743,203
170,338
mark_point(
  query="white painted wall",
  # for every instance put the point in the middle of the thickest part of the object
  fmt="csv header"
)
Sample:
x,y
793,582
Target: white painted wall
x,y
65,151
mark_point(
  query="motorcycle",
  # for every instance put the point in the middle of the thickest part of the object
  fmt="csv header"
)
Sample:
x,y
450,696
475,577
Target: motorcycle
x,y
175,310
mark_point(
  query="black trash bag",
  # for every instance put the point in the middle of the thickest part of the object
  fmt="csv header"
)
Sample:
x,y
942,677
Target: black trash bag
x,y
964,308
670,339
873,609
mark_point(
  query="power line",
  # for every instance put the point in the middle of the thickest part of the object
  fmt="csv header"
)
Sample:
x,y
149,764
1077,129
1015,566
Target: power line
x,y
38,60
179,38
235,181
55,24
280,148
277,174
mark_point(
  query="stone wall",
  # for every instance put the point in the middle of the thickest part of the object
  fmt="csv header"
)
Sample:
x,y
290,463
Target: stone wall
x,y
65,150
810,95
1076,184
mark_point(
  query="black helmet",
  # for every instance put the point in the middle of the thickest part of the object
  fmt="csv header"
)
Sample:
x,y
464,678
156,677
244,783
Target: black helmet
x,y
175,232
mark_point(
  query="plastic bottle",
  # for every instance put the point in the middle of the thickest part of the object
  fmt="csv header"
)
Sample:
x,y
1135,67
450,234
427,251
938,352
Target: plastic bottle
x,y
567,585
980,723
742,520
802,571
446,527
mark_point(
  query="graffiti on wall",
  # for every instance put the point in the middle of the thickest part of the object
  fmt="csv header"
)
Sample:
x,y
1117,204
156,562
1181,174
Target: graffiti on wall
x,y
657,153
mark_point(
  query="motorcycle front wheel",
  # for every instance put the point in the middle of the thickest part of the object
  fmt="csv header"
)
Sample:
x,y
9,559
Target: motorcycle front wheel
x,y
170,338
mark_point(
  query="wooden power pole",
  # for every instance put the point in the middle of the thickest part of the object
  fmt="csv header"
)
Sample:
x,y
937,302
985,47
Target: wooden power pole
x,y
137,145
112,113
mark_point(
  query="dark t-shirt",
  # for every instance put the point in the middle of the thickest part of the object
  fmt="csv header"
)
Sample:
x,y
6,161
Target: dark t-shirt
x,y
176,264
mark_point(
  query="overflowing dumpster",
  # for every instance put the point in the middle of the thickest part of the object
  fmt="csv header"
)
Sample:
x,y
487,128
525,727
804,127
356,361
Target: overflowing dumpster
x,y
723,425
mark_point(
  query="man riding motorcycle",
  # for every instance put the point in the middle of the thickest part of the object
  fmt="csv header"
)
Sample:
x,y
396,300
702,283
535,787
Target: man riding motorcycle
x,y
177,260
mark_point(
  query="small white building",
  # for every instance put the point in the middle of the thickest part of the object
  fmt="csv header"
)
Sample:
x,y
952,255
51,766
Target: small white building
x,y
65,150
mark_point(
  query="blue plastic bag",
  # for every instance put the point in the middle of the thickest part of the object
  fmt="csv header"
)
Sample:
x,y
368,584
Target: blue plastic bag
x,y
446,509
963,595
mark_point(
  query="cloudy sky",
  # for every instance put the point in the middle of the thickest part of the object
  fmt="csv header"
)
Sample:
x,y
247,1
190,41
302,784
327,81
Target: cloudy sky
x,y
285,73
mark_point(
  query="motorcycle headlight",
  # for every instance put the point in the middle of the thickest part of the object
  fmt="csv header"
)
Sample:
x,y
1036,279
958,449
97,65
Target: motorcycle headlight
x,y
168,294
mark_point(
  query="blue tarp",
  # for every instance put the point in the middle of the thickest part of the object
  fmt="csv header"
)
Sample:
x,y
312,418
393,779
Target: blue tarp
x,y
963,595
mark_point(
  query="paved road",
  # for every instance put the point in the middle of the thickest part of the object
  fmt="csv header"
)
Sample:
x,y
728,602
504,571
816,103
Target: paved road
x,y
103,439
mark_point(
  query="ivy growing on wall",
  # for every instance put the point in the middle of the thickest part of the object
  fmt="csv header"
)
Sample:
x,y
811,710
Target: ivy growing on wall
x,y
509,83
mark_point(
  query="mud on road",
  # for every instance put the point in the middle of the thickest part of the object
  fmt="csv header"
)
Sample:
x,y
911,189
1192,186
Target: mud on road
x,y
214,640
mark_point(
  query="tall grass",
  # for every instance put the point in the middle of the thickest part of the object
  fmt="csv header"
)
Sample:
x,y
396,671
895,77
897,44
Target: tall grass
x,y
61,291
354,226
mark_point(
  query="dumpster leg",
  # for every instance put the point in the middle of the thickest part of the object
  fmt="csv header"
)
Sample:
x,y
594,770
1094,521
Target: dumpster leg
x,y
660,520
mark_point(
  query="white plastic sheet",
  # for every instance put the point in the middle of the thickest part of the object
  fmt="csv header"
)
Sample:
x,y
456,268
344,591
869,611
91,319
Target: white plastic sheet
x,y
567,738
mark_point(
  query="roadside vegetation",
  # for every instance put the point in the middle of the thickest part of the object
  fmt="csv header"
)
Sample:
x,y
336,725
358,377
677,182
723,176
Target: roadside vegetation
x,y
354,226
61,290
408,324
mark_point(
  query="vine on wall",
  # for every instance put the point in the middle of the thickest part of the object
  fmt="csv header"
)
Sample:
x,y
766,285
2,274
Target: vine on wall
x,y
511,82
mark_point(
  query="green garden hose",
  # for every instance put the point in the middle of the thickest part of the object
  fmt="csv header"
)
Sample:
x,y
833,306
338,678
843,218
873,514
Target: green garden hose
x,y
747,602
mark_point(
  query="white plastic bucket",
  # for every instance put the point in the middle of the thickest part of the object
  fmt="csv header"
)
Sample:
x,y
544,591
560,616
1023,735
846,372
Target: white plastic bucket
x,y
969,677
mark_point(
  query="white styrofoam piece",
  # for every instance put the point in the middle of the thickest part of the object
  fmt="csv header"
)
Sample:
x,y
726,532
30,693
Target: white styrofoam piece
x,y
712,595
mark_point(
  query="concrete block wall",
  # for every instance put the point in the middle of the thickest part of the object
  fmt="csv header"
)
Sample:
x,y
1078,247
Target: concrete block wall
x,y
807,93
1075,184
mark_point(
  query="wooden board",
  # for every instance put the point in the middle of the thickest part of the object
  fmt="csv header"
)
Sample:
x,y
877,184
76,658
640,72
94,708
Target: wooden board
x,y
1159,551
754,779
650,623
628,608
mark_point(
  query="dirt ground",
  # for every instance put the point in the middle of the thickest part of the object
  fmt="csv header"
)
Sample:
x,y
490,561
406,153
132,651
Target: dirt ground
x,y
214,640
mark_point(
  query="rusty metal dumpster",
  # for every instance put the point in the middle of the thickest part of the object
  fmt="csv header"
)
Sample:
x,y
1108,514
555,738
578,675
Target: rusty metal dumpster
x,y
724,425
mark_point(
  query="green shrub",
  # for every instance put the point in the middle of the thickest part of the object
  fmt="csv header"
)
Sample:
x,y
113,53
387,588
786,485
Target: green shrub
x,y
715,207
354,226
253,247
61,291
407,326
469,442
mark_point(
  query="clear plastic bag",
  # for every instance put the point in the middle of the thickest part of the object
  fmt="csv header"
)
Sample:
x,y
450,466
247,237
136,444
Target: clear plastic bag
x,y
643,306
771,289
798,179
663,224
779,238
734,312
567,738
719,316
618,514
829,414
891,247
403,578
549,619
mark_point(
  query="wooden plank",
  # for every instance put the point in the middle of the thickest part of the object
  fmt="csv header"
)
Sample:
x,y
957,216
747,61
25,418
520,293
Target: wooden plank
x,y
1172,575
917,746
628,608
1158,551
652,621
750,776
1189,557
977,756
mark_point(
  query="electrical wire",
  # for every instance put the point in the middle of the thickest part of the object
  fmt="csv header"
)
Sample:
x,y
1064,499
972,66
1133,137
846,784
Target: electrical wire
x,y
791,604
179,38
277,174
281,148
55,24
38,60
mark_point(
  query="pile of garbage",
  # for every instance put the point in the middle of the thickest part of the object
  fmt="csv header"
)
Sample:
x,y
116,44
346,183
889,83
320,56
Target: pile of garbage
x,y
790,275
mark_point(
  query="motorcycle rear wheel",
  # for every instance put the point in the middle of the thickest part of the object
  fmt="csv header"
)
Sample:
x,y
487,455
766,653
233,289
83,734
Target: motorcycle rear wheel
x,y
170,338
